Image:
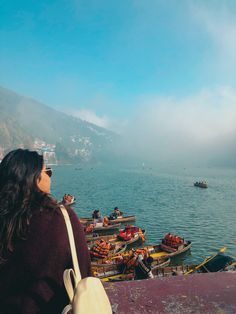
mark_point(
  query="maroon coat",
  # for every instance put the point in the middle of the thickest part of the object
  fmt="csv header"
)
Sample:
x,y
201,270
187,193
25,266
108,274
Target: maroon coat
x,y
32,279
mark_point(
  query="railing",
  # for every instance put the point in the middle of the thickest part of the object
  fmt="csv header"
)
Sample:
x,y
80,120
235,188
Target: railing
x,y
198,293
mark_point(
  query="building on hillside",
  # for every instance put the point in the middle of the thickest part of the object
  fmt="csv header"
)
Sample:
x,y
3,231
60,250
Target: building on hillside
x,y
47,150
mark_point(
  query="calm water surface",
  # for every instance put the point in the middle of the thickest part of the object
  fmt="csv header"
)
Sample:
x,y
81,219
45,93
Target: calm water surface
x,y
163,200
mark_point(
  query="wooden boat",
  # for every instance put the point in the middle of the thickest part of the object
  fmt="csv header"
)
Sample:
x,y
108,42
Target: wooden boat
x,y
111,251
114,221
157,251
162,271
108,271
92,232
115,239
215,263
201,184
100,229
122,219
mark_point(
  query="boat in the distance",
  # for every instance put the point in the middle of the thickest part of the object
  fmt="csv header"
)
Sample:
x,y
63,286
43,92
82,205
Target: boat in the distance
x,y
201,184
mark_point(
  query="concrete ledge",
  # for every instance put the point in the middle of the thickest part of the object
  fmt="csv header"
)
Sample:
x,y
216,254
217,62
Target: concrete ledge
x,y
198,293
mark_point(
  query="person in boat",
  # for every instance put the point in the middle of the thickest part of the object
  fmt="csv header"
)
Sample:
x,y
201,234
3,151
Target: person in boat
x,y
97,218
116,213
34,246
143,268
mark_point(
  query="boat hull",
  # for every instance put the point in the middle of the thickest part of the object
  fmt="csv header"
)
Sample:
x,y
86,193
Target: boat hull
x,y
115,221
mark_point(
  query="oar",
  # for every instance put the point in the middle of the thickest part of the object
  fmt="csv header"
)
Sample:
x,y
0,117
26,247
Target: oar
x,y
222,250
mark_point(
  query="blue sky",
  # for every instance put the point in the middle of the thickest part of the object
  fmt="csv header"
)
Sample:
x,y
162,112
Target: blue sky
x,y
113,61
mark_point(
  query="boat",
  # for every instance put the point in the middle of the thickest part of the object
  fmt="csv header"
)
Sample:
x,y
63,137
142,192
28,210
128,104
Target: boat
x,y
131,233
123,219
99,229
102,249
162,271
136,237
215,263
119,219
171,246
201,184
160,250
108,227
110,272
156,251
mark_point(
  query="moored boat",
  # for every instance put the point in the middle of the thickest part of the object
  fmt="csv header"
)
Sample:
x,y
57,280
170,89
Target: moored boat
x,y
136,237
102,249
171,245
119,219
162,271
161,251
100,229
215,263
112,271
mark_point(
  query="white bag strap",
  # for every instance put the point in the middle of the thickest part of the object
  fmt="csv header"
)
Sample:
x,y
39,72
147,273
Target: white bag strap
x,y
72,245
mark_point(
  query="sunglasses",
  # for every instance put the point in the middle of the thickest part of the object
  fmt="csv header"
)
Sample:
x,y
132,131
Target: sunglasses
x,y
48,171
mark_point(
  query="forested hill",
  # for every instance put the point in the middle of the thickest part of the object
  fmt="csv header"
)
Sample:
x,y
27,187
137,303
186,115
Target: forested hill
x,y
25,122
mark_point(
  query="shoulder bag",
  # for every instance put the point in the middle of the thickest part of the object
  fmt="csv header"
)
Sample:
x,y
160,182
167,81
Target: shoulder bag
x,y
87,296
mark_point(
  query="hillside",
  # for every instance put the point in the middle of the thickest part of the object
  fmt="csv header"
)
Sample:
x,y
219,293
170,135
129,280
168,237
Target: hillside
x,y
25,122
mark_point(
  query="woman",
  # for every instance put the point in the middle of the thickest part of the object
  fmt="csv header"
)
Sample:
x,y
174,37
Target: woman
x,y
34,246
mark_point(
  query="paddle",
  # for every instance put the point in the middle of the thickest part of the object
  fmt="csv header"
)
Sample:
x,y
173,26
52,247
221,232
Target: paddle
x,y
222,250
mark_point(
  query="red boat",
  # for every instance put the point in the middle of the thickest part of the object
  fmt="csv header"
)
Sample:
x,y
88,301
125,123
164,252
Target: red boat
x,y
131,232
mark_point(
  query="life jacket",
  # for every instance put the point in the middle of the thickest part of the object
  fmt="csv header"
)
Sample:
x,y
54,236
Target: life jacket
x,y
172,241
132,261
125,235
98,255
105,221
101,249
89,228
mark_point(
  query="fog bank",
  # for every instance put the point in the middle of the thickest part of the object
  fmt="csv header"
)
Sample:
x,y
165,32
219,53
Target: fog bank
x,y
200,128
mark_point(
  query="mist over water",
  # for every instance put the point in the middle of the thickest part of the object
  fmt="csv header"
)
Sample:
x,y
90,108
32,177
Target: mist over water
x,y
163,200
199,129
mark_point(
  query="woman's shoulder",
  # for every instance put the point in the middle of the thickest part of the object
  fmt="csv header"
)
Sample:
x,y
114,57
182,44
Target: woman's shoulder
x,y
72,214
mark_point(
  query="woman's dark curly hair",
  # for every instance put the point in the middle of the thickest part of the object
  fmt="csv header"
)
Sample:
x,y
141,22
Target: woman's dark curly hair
x,y
20,196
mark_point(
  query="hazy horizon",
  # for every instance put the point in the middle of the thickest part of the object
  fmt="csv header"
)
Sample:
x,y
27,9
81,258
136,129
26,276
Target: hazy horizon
x,y
162,74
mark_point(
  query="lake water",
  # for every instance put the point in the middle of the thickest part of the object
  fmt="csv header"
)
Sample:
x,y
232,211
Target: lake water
x,y
163,200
